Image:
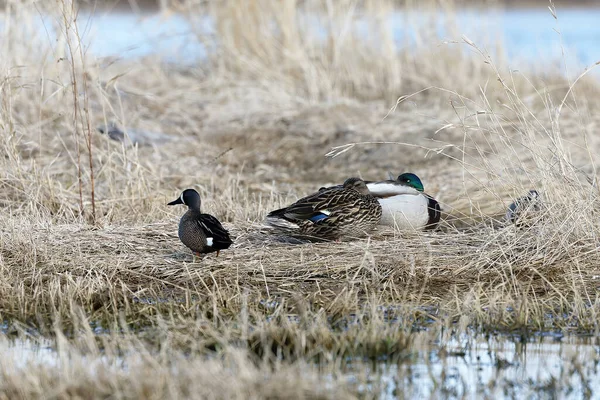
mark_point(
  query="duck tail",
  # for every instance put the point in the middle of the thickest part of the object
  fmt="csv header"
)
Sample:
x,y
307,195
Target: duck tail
x,y
276,219
281,224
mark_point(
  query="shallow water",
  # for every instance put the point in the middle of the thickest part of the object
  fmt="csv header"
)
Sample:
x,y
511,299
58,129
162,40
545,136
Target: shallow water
x,y
470,366
528,35
18,354
498,368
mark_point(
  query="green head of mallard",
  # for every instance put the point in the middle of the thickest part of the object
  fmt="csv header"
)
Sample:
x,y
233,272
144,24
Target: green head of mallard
x,y
411,180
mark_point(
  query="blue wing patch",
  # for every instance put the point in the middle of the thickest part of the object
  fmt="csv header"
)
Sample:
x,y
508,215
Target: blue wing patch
x,y
318,217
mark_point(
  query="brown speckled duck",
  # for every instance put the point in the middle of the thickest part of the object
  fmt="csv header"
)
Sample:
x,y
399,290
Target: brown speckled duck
x,y
202,233
332,213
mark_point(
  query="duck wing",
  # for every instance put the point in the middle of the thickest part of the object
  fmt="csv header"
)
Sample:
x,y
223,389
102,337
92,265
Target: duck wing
x,y
214,230
315,207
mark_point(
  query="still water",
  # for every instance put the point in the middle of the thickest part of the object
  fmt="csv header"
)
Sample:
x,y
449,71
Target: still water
x,y
470,366
527,35
474,367
499,368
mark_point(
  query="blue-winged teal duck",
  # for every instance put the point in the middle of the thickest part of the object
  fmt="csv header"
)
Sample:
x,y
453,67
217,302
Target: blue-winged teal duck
x,y
332,213
202,233
404,203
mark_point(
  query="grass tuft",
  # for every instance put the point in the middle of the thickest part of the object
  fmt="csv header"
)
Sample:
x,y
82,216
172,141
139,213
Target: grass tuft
x,y
127,308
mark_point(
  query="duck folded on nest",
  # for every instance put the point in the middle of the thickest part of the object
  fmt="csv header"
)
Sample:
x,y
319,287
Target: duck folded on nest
x,y
343,211
404,203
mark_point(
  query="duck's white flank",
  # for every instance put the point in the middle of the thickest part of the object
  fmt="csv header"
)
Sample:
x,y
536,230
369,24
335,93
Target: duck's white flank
x,y
403,207
209,241
405,211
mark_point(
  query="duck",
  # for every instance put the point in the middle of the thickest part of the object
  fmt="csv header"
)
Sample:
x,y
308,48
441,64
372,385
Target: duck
x,y
332,213
201,233
521,211
404,203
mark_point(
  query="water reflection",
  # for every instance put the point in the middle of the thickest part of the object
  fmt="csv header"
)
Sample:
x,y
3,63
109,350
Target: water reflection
x,y
21,353
497,368
471,366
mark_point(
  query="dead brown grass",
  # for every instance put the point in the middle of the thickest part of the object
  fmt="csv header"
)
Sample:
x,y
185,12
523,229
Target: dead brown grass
x,y
250,129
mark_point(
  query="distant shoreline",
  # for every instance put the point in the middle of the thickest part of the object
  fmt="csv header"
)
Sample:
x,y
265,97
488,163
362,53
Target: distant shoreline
x,y
148,5
154,5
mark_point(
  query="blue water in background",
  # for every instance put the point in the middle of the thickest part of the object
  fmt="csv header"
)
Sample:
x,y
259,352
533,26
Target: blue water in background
x,y
527,35
532,34
128,35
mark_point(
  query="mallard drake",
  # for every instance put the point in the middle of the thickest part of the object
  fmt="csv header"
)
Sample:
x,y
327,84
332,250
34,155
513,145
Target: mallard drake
x,y
201,233
404,203
523,208
332,213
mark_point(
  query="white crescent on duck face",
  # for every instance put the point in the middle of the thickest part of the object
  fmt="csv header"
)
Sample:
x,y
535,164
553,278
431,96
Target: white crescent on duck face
x,y
404,205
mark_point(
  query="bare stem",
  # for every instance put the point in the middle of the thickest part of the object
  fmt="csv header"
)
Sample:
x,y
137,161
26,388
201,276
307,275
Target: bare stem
x,y
67,26
86,114
79,116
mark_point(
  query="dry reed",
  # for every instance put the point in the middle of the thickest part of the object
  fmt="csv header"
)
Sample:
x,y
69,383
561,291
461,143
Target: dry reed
x,y
250,128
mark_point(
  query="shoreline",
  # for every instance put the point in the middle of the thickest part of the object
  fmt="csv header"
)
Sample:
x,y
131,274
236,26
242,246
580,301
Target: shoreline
x,y
154,5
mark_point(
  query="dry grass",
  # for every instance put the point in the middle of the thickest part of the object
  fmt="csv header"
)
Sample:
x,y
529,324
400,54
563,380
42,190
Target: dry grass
x,y
250,130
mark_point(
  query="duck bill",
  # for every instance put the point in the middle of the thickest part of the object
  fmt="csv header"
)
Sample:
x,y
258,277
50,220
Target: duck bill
x,y
175,202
